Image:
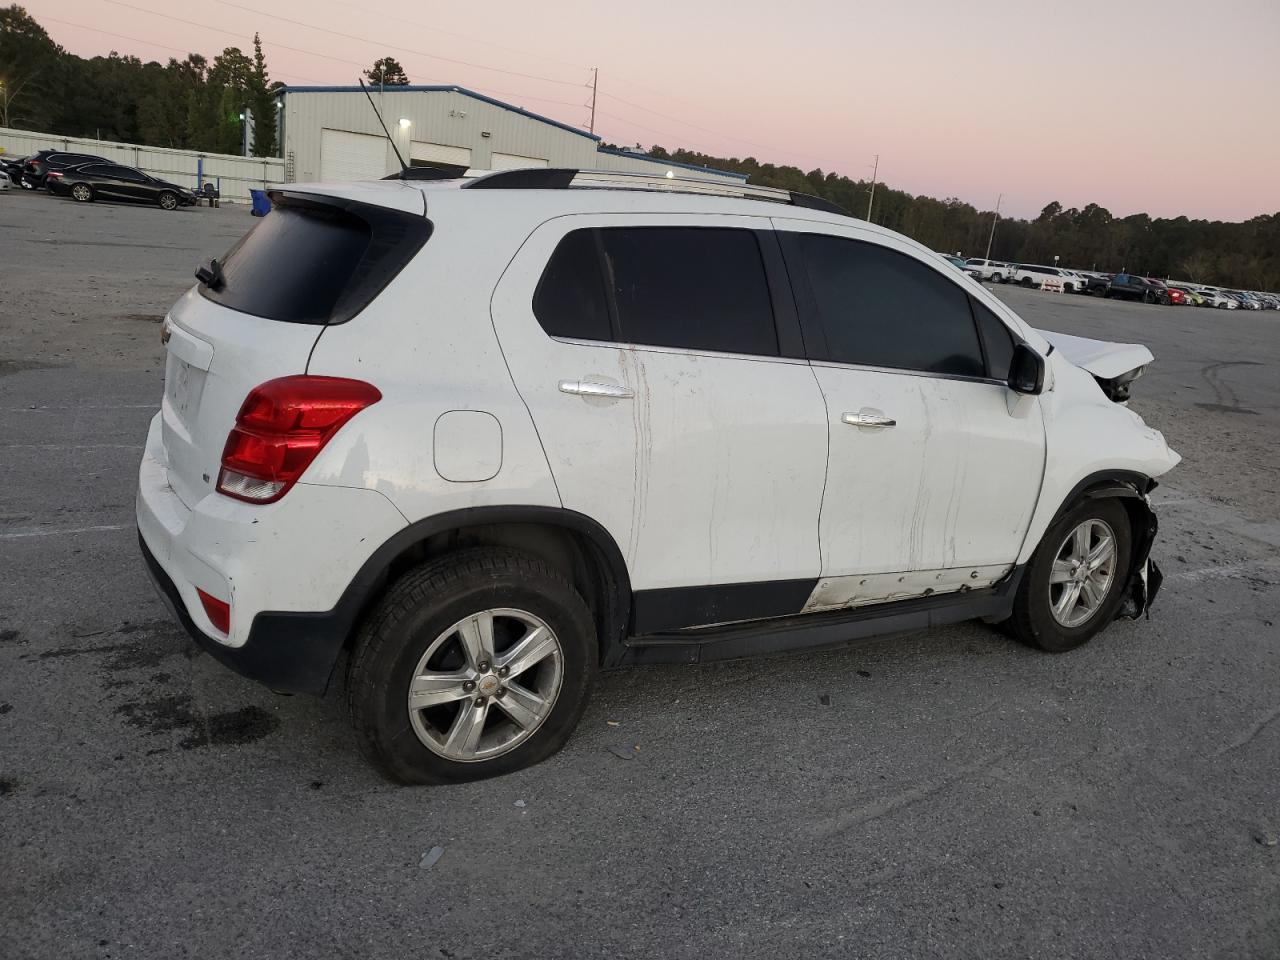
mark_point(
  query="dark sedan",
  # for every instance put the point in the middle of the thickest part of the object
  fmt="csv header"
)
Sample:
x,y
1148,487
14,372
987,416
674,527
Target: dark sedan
x,y
111,181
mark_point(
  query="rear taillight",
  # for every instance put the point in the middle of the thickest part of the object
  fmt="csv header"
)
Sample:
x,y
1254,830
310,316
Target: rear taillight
x,y
54,173
218,611
281,427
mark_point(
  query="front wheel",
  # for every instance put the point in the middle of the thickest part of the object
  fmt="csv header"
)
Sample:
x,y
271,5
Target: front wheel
x,y
997,278
168,200
82,192
471,666
1075,582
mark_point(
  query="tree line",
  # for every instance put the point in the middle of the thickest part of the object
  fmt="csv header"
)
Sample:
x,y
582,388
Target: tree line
x,y
196,104
1239,255
193,103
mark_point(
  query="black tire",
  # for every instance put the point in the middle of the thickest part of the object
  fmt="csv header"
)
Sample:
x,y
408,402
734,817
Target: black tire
x,y
1025,281
1033,622
82,192
168,200
1222,306
997,278
424,603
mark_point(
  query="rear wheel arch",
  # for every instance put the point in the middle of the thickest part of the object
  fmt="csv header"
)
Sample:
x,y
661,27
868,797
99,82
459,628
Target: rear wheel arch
x,y
569,542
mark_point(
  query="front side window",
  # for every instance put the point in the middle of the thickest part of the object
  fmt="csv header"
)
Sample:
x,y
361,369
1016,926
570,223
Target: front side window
x,y
996,339
882,308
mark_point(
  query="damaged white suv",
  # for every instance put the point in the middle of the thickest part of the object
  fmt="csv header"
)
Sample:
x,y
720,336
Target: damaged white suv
x,y
490,435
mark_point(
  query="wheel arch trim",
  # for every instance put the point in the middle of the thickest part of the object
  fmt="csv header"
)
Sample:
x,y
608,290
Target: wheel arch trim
x,y
372,576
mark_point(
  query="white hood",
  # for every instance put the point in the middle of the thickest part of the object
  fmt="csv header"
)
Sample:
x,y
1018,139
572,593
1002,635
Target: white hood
x,y
1104,360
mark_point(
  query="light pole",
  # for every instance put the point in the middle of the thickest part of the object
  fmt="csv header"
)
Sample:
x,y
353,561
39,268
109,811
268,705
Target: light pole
x,y
992,236
874,170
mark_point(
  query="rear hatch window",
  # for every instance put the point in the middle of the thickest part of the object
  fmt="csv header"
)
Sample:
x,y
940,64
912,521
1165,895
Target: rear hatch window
x,y
316,260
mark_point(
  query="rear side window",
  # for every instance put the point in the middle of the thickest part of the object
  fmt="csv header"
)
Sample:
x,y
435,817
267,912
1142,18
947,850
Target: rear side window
x,y
881,308
317,260
570,300
690,287
997,341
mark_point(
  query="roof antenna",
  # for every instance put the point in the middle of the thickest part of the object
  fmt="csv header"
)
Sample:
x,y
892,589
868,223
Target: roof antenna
x,y
404,167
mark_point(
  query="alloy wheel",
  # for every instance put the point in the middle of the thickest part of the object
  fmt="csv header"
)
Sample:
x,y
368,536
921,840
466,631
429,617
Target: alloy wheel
x,y
1082,573
485,685
81,192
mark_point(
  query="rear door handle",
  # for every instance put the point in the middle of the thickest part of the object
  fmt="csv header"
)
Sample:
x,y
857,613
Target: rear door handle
x,y
593,388
868,420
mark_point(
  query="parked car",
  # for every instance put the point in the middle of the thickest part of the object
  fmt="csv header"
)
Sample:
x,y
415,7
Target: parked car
x,y
1033,275
1171,296
1128,286
36,168
605,444
960,264
111,181
1216,298
11,169
993,271
1192,297
1246,302
1097,283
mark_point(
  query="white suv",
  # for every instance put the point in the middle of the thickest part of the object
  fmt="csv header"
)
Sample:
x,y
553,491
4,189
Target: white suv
x,y
491,435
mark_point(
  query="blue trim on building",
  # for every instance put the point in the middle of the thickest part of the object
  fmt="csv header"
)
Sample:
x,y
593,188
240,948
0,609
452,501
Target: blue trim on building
x,y
447,88
671,163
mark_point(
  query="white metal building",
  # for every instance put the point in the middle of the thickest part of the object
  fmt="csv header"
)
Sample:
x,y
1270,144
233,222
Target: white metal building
x,y
330,133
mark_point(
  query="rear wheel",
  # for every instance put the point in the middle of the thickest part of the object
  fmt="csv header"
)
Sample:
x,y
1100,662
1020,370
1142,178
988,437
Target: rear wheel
x,y
1025,281
997,278
82,192
1074,584
168,200
471,666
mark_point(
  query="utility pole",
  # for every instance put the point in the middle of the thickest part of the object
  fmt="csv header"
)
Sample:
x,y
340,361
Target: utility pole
x,y
874,171
993,226
595,77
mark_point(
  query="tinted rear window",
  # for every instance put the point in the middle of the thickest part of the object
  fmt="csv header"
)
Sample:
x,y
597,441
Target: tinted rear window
x,y
317,262
698,288
570,301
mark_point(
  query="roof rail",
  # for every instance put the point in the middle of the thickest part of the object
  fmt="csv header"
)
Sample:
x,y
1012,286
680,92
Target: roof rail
x,y
562,178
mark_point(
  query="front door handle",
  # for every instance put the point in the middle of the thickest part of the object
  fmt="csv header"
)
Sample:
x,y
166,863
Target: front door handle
x,y
593,388
866,419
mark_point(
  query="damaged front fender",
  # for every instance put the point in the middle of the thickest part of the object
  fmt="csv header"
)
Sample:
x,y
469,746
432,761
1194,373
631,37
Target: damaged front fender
x,y
1144,577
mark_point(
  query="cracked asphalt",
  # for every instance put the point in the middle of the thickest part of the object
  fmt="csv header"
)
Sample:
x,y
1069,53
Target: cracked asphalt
x,y
933,794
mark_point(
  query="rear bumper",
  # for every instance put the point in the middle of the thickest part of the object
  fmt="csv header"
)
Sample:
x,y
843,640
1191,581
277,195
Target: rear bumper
x,y
285,568
289,652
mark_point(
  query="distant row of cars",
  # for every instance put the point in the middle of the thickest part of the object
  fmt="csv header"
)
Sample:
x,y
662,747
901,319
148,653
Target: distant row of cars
x,y
86,178
1119,286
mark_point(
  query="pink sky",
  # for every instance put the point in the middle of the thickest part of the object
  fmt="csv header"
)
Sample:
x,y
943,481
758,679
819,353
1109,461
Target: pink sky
x,y
1163,106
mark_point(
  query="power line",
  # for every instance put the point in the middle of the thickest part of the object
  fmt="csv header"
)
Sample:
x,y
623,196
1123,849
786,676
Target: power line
x,y
382,15
392,46
233,33
152,43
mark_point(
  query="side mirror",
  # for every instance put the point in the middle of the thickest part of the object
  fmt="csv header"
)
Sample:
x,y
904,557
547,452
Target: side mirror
x,y
1026,372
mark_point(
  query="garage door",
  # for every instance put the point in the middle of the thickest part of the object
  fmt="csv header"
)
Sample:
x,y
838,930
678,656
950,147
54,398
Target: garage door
x,y
448,156
352,156
513,161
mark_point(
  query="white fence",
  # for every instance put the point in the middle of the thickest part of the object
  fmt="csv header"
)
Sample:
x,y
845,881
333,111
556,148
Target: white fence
x,y
234,176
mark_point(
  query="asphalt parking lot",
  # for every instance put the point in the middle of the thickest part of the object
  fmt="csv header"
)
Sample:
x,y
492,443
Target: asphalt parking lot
x,y
936,794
